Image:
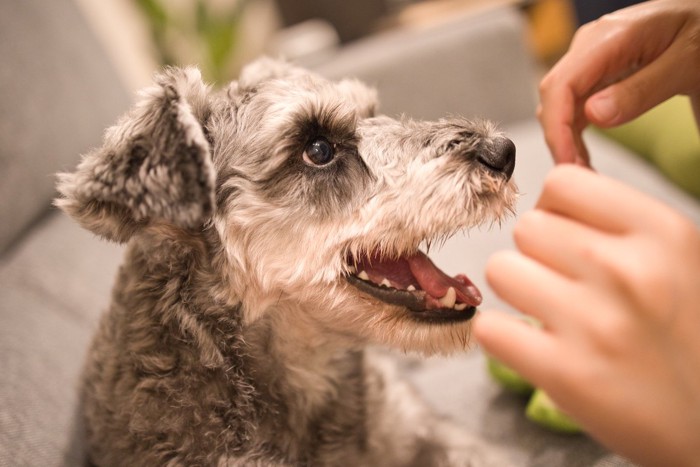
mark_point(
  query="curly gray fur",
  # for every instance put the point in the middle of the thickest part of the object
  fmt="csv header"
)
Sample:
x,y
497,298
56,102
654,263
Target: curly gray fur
x,y
232,338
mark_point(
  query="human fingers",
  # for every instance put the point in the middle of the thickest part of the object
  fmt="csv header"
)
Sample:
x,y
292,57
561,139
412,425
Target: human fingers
x,y
563,132
557,121
519,345
602,52
597,201
559,243
529,286
674,72
589,62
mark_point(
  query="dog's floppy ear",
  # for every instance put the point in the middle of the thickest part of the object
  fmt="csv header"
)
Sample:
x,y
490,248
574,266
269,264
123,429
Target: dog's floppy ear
x,y
154,164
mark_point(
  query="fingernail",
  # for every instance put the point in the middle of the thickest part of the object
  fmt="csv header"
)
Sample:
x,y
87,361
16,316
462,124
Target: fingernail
x,y
603,108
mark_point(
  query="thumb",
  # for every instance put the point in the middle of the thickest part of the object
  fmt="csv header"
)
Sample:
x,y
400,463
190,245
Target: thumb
x,y
627,99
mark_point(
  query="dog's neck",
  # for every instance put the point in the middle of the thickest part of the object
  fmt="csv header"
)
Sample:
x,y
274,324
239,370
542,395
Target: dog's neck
x,y
306,383
307,377
295,363
301,376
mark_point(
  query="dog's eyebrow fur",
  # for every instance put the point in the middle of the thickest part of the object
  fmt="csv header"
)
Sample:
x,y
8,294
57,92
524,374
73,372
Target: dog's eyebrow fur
x,y
286,178
332,121
327,189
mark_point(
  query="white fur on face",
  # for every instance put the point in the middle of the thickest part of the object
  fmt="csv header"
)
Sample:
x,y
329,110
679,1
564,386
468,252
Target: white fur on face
x,y
289,227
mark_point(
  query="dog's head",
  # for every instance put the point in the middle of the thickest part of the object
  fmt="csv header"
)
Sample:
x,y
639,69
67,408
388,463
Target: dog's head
x,y
320,206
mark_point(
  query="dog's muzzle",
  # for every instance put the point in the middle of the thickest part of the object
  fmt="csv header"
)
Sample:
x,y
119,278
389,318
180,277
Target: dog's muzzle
x,y
412,281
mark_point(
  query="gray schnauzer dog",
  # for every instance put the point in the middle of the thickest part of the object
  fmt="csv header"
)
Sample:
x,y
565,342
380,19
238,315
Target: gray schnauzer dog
x,y
273,232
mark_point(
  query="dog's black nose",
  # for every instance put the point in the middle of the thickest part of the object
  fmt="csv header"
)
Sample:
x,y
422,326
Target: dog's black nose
x,y
499,156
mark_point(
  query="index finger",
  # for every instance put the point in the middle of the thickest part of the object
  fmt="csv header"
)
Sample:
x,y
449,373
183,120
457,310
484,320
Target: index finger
x,y
563,93
519,345
598,201
601,53
563,122
562,97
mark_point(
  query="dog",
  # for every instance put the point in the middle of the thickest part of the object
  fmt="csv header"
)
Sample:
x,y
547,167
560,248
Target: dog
x,y
274,231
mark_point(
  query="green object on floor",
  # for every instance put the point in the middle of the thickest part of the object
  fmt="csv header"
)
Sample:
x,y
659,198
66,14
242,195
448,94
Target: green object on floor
x,y
543,411
540,408
508,378
667,137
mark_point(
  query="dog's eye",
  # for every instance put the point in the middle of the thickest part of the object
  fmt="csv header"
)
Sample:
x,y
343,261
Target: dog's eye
x,y
319,152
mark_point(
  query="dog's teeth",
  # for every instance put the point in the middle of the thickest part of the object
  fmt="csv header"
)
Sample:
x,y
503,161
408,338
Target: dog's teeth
x,y
448,301
410,288
363,275
385,283
351,269
460,306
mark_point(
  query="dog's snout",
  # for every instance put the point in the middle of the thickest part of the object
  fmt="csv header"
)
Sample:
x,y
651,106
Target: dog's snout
x,y
499,156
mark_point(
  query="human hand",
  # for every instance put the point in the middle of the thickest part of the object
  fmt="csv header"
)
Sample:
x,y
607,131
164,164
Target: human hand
x,y
617,68
614,278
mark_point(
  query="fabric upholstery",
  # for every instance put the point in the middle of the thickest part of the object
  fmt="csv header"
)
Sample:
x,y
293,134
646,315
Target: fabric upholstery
x,y
57,94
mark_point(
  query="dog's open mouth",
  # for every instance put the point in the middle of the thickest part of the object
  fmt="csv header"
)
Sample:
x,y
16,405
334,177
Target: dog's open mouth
x,y
414,282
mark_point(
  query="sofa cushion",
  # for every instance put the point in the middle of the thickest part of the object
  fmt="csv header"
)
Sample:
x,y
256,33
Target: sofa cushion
x,y
53,287
57,94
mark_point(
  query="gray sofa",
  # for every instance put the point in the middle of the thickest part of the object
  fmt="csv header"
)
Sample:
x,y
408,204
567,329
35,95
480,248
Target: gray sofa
x,y
58,93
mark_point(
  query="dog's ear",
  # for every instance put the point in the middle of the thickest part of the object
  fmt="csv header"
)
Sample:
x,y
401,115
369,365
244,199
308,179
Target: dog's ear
x,y
155,164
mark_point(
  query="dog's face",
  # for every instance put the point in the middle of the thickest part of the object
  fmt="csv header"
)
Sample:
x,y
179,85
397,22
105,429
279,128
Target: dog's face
x,y
321,206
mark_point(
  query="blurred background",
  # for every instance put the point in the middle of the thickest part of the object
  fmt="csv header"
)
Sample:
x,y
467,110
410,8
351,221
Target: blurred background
x,y
71,66
221,35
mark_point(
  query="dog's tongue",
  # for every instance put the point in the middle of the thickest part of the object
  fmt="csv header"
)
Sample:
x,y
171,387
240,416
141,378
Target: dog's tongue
x,y
418,273
436,283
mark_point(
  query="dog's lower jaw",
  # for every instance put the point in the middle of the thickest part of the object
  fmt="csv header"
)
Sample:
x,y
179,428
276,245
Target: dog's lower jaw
x,y
414,302
338,315
357,319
